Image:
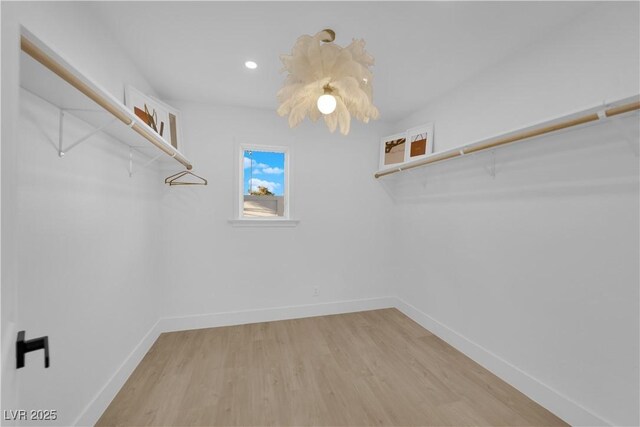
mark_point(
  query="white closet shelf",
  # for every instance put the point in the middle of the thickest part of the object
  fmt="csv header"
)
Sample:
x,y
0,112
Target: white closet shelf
x,y
580,118
47,75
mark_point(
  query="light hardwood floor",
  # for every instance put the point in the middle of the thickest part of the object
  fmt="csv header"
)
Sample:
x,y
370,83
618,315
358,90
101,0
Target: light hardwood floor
x,y
369,368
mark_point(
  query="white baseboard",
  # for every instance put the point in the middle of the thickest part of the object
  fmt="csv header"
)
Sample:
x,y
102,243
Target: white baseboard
x,y
559,404
243,317
103,398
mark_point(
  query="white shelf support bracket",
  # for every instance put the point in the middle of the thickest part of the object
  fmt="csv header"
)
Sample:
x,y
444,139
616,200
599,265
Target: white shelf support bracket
x,y
627,135
490,167
386,185
130,162
62,150
61,133
142,167
419,176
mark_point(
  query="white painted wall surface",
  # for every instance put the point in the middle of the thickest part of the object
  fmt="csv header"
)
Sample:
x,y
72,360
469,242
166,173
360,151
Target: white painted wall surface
x,y
539,265
88,261
591,60
79,241
8,265
339,245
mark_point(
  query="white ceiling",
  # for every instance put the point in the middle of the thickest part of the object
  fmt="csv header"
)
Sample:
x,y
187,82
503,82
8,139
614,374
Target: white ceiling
x,y
196,50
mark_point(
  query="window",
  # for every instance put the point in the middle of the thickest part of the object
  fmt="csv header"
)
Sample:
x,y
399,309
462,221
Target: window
x,y
264,183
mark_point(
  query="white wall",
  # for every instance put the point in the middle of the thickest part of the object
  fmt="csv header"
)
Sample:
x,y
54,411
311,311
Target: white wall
x,y
538,266
79,238
593,59
339,245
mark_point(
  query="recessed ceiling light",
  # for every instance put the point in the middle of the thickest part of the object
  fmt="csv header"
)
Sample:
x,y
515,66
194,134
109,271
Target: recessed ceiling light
x,y
251,65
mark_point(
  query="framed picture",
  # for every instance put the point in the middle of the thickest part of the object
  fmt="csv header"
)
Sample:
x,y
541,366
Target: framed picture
x,y
419,142
393,150
160,117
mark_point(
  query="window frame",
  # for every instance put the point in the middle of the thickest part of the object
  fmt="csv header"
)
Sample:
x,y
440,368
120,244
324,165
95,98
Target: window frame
x,y
285,220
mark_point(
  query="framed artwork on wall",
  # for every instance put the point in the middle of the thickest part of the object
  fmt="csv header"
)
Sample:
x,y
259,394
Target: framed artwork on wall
x,y
393,150
419,142
160,117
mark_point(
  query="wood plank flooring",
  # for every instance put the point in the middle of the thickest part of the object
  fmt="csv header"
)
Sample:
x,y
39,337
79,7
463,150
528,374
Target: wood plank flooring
x,y
369,368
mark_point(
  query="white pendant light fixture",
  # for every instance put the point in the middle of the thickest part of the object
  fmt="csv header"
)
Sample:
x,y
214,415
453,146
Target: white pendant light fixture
x,y
329,81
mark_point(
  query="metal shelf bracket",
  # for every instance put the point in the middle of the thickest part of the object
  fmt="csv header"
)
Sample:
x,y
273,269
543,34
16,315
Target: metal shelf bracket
x,y
143,166
490,167
421,177
628,136
62,150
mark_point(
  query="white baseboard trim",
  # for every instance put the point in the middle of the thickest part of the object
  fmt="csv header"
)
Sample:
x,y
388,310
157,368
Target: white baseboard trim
x,y
565,408
243,317
103,398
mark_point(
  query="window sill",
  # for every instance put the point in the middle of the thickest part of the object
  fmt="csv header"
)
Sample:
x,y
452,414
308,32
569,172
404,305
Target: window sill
x,y
245,222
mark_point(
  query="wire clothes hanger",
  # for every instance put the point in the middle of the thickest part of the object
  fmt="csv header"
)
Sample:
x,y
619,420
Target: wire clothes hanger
x,y
174,179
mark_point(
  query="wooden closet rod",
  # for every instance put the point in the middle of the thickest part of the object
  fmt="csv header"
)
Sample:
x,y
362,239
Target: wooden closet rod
x,y
39,55
457,152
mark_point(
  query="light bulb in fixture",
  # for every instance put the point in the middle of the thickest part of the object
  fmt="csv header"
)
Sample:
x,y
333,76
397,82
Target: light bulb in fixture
x,y
327,103
251,65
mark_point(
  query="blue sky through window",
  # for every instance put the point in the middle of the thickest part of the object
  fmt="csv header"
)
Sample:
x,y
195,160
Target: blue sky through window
x,y
264,168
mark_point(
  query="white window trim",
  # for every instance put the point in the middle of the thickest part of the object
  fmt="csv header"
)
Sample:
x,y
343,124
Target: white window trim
x,y
286,220
276,223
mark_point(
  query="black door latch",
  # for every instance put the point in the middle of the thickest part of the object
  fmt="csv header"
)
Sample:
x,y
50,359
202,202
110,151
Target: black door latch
x,y
23,347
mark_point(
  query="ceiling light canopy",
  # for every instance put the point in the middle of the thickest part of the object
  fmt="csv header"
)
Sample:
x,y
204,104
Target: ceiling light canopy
x,y
327,80
251,65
